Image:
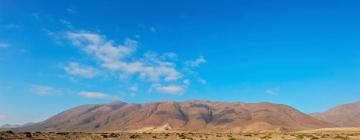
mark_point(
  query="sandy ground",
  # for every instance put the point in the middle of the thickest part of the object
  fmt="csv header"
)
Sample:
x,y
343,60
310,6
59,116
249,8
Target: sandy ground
x,y
319,134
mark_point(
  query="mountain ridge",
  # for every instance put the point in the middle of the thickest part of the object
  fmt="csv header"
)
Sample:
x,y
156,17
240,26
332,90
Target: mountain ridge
x,y
345,115
194,115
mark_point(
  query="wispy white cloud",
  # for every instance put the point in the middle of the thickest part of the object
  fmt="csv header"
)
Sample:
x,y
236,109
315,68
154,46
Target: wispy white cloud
x,y
75,68
202,81
171,89
71,11
94,95
186,82
45,90
102,49
169,55
55,36
4,45
133,90
9,26
66,23
49,90
195,63
122,60
23,50
273,91
116,57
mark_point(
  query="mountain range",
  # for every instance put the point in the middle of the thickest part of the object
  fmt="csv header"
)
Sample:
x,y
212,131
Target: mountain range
x,y
347,115
180,116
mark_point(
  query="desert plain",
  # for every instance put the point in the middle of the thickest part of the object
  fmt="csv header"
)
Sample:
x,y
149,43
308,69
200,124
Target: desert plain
x,y
316,134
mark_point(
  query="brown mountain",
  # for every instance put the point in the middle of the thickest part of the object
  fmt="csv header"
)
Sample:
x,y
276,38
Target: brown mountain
x,y
183,116
347,115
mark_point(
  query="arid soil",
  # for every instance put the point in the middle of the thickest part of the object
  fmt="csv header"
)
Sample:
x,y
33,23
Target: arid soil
x,y
311,135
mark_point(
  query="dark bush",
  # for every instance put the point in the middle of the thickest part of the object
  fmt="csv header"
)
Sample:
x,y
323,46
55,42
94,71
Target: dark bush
x,y
9,132
28,134
135,136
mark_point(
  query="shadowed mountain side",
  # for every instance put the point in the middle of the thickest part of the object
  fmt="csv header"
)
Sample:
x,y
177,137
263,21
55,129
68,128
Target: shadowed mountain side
x,y
347,115
180,116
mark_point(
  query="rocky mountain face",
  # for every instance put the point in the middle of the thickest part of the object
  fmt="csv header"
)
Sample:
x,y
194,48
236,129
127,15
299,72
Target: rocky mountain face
x,y
180,116
347,115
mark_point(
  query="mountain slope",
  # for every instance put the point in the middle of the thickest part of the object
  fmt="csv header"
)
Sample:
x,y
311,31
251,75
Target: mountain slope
x,y
187,116
347,115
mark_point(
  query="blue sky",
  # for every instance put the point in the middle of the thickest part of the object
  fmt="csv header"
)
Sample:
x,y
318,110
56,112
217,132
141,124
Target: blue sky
x,y
57,55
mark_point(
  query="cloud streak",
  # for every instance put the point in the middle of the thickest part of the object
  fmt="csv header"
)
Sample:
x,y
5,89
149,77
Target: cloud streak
x,y
94,95
45,90
171,89
195,63
4,45
133,90
76,69
273,92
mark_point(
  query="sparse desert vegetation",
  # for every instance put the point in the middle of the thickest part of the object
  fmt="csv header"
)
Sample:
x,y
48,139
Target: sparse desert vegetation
x,y
334,135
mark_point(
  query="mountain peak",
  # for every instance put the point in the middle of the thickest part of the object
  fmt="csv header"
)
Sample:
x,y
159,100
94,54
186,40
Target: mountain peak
x,y
346,115
185,116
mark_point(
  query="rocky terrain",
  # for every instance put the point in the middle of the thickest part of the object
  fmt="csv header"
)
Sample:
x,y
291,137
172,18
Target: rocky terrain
x,y
194,116
347,115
